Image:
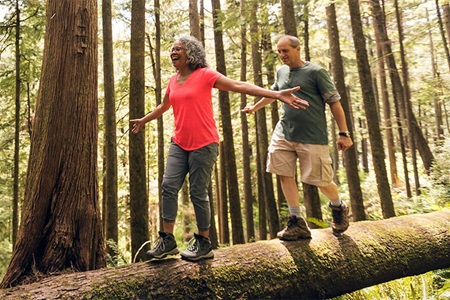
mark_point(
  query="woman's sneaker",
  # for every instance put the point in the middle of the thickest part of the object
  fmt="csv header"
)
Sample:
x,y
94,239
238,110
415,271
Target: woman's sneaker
x,y
199,247
165,245
296,229
340,221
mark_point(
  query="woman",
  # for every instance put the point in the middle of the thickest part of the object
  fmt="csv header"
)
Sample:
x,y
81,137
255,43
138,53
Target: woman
x,y
194,145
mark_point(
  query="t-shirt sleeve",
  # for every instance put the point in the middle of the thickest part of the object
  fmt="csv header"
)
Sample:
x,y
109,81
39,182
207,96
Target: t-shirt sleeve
x,y
211,76
326,87
275,86
170,83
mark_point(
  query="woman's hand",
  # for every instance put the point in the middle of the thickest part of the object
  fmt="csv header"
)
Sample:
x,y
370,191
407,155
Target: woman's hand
x,y
287,97
137,125
248,109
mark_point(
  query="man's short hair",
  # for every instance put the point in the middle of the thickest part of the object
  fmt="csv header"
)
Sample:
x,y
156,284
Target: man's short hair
x,y
293,40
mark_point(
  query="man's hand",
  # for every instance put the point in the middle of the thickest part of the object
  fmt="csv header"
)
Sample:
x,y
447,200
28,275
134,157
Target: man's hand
x,y
344,143
287,97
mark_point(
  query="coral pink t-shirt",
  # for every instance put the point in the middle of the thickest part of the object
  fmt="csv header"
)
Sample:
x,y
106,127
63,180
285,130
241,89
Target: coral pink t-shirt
x,y
195,126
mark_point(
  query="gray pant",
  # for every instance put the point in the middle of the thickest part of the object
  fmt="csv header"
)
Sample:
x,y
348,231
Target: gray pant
x,y
198,163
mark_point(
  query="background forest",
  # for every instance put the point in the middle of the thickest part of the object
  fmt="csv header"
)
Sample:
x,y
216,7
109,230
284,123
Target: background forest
x,y
409,61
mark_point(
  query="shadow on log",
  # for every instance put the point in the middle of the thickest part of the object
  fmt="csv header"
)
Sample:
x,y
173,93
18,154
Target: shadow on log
x,y
369,253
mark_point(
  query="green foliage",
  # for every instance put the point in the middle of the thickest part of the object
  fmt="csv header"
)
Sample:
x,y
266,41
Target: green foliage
x,y
5,229
117,258
440,175
431,285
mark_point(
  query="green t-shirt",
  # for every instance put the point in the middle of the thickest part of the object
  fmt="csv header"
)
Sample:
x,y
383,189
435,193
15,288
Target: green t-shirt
x,y
305,126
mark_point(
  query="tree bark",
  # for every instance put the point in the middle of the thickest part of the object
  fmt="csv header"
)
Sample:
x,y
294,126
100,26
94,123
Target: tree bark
x,y
110,181
246,148
369,253
376,141
61,225
261,130
350,157
397,87
194,21
227,130
288,13
389,132
138,176
222,199
15,203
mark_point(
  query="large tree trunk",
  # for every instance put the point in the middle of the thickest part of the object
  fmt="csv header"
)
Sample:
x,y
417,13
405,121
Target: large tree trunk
x,y
61,225
369,253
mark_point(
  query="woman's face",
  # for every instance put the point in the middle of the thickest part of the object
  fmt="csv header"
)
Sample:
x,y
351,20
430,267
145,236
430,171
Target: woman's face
x,y
178,55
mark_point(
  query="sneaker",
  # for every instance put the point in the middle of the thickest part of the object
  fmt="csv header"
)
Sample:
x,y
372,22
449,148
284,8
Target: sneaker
x,y
199,247
165,245
296,229
340,221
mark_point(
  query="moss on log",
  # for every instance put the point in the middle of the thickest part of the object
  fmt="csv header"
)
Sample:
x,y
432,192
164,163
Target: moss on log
x,y
369,253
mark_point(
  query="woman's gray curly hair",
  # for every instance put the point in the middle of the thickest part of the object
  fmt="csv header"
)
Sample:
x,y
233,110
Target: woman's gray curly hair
x,y
196,56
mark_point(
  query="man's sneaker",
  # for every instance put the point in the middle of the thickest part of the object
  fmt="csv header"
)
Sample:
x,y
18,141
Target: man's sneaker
x,y
296,229
340,221
199,247
165,245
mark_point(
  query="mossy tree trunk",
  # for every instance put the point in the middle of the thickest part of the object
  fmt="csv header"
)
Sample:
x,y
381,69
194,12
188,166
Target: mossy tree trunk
x,y
369,253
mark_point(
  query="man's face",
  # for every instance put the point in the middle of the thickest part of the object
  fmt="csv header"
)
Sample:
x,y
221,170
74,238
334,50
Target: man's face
x,y
288,55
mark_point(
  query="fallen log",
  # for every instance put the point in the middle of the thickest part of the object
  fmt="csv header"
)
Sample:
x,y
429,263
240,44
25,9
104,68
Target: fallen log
x,y
369,253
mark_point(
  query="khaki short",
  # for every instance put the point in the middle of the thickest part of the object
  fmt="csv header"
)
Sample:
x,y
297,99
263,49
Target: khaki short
x,y
315,161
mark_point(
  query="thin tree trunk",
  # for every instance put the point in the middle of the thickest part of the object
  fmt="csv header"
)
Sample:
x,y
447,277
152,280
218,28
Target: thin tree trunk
x,y
158,99
213,236
111,188
194,21
364,147
262,216
376,141
261,129
138,176
441,29
246,148
434,73
350,156
388,119
446,9
227,129
224,229
15,202
289,24
400,91
202,21
269,63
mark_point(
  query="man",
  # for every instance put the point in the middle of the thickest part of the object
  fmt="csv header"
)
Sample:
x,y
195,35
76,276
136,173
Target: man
x,y
303,134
